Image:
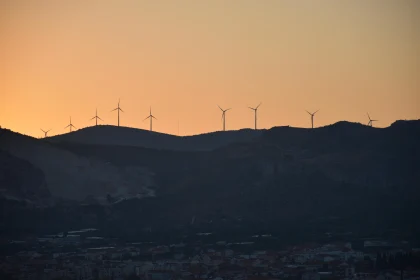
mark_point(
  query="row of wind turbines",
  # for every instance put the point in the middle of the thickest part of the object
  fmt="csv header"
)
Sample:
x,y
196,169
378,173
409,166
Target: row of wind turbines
x,y
118,109
370,123
151,117
70,126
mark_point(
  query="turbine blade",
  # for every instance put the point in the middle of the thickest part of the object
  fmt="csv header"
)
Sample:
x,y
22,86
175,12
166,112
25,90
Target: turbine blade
x,y
42,130
121,110
154,117
315,112
100,119
219,107
308,112
146,118
251,108
258,105
67,126
368,116
227,109
114,109
93,118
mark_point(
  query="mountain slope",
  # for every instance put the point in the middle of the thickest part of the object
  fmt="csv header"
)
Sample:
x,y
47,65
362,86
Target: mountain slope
x,y
75,177
20,180
284,159
387,157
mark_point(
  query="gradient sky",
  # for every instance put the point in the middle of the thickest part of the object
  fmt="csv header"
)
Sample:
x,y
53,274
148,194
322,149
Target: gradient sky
x,y
345,57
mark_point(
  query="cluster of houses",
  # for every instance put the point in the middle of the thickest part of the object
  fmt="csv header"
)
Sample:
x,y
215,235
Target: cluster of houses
x,y
182,261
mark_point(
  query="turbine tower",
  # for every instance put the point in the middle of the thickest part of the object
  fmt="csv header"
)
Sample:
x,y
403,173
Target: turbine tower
x,y
312,117
370,123
151,117
96,117
70,125
224,117
118,110
45,132
255,113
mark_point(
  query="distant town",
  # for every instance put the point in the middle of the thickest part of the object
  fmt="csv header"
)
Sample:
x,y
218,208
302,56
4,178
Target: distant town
x,y
83,255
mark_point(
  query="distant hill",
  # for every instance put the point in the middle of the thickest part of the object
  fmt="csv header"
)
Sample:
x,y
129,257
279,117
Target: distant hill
x,y
126,136
346,136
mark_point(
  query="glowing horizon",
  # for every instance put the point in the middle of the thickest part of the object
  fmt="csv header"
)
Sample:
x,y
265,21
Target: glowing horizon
x,y
74,129
184,58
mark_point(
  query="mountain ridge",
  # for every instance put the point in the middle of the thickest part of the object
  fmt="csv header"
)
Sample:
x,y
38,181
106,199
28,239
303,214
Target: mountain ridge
x,y
127,136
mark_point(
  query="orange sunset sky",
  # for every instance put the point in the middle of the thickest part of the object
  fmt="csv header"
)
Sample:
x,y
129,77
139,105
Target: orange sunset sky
x,y
345,57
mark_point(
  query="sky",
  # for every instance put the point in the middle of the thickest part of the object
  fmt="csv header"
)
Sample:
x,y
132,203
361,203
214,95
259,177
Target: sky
x,y
184,58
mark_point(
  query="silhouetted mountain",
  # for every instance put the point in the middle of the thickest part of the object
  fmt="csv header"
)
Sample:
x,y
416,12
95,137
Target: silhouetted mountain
x,y
126,136
346,136
288,179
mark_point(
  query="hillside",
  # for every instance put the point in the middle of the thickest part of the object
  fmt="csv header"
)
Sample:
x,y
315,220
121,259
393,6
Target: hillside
x,y
344,151
70,176
358,173
126,136
21,180
366,178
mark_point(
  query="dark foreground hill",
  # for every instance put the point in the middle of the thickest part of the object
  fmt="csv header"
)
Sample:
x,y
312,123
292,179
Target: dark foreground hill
x,y
340,178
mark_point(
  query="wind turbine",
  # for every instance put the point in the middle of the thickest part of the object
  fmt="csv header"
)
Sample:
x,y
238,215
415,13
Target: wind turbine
x,y
70,125
118,109
224,117
151,117
255,113
45,132
370,121
96,117
312,117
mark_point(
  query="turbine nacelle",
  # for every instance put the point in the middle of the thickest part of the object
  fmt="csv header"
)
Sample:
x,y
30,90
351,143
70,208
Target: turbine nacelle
x,y
45,132
370,123
312,116
223,116
256,108
118,109
255,113
96,117
224,111
151,117
70,126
